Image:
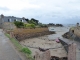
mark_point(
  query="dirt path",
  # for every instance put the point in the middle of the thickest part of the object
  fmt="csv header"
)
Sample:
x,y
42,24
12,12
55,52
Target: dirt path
x,y
7,52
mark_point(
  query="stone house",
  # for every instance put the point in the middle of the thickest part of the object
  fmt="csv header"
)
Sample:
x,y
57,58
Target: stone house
x,y
9,19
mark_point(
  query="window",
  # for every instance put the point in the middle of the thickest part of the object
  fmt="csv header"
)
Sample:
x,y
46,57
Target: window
x,y
16,20
8,20
21,20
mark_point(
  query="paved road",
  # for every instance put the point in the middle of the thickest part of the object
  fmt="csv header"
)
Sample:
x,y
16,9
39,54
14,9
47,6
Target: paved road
x,y
6,50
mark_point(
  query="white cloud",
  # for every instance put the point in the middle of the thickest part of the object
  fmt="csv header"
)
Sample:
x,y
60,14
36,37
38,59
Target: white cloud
x,y
17,4
40,9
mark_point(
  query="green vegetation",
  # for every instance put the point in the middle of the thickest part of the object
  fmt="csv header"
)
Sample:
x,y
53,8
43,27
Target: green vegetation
x,y
19,24
25,50
29,26
33,23
14,41
42,25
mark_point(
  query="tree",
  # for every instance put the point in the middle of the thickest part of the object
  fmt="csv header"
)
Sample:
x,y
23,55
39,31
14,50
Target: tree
x,y
32,22
27,20
36,21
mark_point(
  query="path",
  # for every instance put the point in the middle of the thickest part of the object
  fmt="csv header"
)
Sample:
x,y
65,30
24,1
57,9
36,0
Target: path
x,y
7,52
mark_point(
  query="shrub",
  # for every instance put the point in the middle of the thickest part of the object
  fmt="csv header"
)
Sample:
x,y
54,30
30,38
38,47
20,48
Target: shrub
x,y
42,25
32,25
19,24
29,26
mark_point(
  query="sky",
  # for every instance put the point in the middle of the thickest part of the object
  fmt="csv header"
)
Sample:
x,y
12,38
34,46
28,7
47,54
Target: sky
x,y
46,11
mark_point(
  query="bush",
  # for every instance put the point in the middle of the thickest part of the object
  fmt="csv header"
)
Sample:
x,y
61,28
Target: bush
x,y
29,26
32,25
19,24
42,25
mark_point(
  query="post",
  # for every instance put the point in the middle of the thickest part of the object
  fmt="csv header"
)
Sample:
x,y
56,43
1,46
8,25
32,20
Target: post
x,y
44,56
72,52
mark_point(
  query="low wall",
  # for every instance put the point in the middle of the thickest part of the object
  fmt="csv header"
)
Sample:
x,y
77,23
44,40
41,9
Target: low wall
x,y
64,44
8,25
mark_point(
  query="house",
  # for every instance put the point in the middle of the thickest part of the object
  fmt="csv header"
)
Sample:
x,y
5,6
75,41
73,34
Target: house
x,y
5,21
8,19
12,19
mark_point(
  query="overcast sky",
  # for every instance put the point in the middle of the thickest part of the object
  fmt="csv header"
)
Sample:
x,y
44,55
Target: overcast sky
x,y
46,11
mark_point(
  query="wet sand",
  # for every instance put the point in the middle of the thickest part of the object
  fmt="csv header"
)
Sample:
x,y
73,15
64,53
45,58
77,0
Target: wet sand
x,y
53,46
47,42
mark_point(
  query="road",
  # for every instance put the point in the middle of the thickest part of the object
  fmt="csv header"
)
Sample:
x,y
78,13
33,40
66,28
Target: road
x,y
7,52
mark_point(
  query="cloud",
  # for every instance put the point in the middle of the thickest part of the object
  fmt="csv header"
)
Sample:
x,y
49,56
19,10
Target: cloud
x,y
56,11
17,4
4,9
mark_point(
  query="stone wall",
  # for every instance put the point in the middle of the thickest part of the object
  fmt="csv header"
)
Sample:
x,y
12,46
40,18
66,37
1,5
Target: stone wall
x,y
64,44
8,25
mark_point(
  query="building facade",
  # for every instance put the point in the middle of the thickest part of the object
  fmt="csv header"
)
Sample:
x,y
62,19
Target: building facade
x,y
8,19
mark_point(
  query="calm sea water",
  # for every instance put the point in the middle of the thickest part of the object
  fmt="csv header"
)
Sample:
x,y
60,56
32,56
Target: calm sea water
x,y
59,32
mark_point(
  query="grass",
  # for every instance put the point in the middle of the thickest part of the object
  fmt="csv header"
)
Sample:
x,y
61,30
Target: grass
x,y
14,41
28,31
25,50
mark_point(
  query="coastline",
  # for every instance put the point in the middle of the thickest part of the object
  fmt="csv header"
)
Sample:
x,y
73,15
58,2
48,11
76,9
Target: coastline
x,y
47,42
